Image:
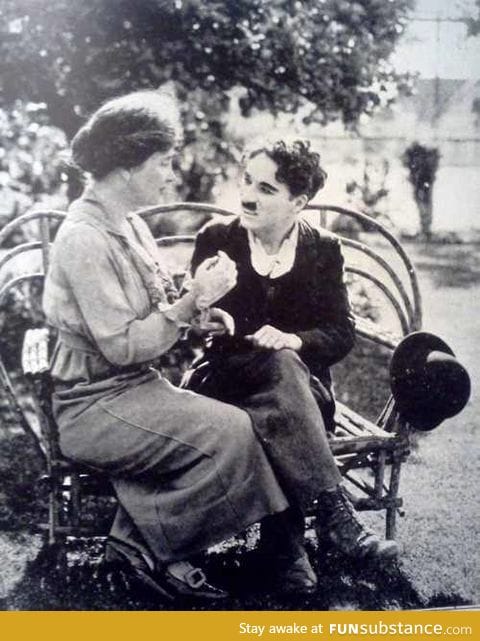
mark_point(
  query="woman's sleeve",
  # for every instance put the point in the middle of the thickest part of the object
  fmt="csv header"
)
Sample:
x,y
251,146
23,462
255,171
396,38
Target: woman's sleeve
x,y
334,335
206,246
112,324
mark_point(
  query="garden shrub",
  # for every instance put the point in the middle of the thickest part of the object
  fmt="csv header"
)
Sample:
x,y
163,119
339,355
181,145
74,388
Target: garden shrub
x,y
31,165
422,163
21,502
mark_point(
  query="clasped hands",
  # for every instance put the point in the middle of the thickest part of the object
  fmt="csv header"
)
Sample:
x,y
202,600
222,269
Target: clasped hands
x,y
217,322
214,278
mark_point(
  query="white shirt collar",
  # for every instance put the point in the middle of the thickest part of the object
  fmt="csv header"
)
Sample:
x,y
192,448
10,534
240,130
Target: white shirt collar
x,y
274,265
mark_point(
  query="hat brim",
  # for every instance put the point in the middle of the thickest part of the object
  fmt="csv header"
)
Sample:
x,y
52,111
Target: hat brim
x,y
422,421
407,359
417,342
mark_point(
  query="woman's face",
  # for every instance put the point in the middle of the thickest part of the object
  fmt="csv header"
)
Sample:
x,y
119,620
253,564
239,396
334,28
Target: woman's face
x,y
268,207
150,183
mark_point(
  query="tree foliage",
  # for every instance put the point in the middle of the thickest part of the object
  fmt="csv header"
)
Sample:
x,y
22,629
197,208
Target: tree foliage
x,y
473,21
30,162
282,54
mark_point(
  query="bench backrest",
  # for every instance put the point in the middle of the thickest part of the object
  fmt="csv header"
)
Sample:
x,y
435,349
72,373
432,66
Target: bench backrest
x,y
378,260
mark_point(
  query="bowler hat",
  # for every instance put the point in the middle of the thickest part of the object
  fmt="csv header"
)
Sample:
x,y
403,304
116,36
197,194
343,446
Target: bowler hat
x,y
428,383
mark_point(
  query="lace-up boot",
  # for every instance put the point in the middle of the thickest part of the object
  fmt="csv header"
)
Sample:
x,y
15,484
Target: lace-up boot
x,y
338,522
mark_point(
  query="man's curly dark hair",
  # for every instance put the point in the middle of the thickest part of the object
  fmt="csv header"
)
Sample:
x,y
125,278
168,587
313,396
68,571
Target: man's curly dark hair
x,y
298,167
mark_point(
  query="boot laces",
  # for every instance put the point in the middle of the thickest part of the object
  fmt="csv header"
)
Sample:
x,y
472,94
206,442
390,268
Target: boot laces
x,y
345,520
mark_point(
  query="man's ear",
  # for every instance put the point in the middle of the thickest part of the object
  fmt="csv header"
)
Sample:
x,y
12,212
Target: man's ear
x,y
125,174
300,202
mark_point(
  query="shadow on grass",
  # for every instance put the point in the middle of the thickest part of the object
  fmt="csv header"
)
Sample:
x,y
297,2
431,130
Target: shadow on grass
x,y
449,265
89,583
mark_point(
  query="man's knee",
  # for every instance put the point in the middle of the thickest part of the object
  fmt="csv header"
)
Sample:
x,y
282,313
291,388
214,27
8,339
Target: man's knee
x,y
288,363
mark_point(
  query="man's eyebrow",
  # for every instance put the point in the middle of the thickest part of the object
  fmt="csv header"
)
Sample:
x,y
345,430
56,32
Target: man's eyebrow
x,y
266,185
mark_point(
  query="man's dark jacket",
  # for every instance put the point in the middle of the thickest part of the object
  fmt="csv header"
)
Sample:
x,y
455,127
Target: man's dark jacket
x,y
310,300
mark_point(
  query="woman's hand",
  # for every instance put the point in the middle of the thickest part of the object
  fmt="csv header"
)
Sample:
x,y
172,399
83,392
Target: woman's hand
x,y
214,278
213,322
268,337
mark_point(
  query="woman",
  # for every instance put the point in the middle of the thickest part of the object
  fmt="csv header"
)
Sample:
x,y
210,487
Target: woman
x,y
187,470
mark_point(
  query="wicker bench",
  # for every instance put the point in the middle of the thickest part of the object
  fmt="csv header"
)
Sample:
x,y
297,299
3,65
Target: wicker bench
x,y
358,443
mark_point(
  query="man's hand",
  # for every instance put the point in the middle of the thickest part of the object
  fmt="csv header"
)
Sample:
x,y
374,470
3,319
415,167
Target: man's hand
x,y
213,322
268,337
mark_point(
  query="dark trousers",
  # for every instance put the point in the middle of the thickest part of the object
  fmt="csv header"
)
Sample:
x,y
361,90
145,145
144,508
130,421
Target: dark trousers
x,y
274,388
282,536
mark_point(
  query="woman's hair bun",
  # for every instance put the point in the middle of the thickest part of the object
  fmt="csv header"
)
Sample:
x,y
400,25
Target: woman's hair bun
x,y
124,132
81,150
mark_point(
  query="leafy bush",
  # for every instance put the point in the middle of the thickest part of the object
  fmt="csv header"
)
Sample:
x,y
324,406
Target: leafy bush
x,y
30,160
369,193
422,163
21,502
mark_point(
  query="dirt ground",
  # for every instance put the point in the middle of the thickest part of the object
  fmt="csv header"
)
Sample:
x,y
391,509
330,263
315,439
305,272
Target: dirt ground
x,y
439,533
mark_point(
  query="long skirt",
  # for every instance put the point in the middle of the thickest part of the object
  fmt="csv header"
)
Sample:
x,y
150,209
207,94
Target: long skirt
x,y
188,470
275,388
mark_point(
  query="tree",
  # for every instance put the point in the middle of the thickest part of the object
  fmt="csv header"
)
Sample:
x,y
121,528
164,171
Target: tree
x,y
422,163
473,21
283,54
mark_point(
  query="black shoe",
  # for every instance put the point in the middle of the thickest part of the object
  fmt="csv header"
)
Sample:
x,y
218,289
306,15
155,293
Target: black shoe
x,y
185,580
140,569
296,577
338,522
179,579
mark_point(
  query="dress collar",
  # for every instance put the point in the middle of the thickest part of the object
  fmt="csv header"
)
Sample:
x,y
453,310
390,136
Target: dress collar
x,y
142,249
274,265
91,207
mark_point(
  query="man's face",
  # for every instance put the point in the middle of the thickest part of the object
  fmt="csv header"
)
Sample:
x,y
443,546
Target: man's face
x,y
268,208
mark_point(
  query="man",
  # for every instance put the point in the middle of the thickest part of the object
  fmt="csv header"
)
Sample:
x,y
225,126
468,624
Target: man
x,y
289,320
